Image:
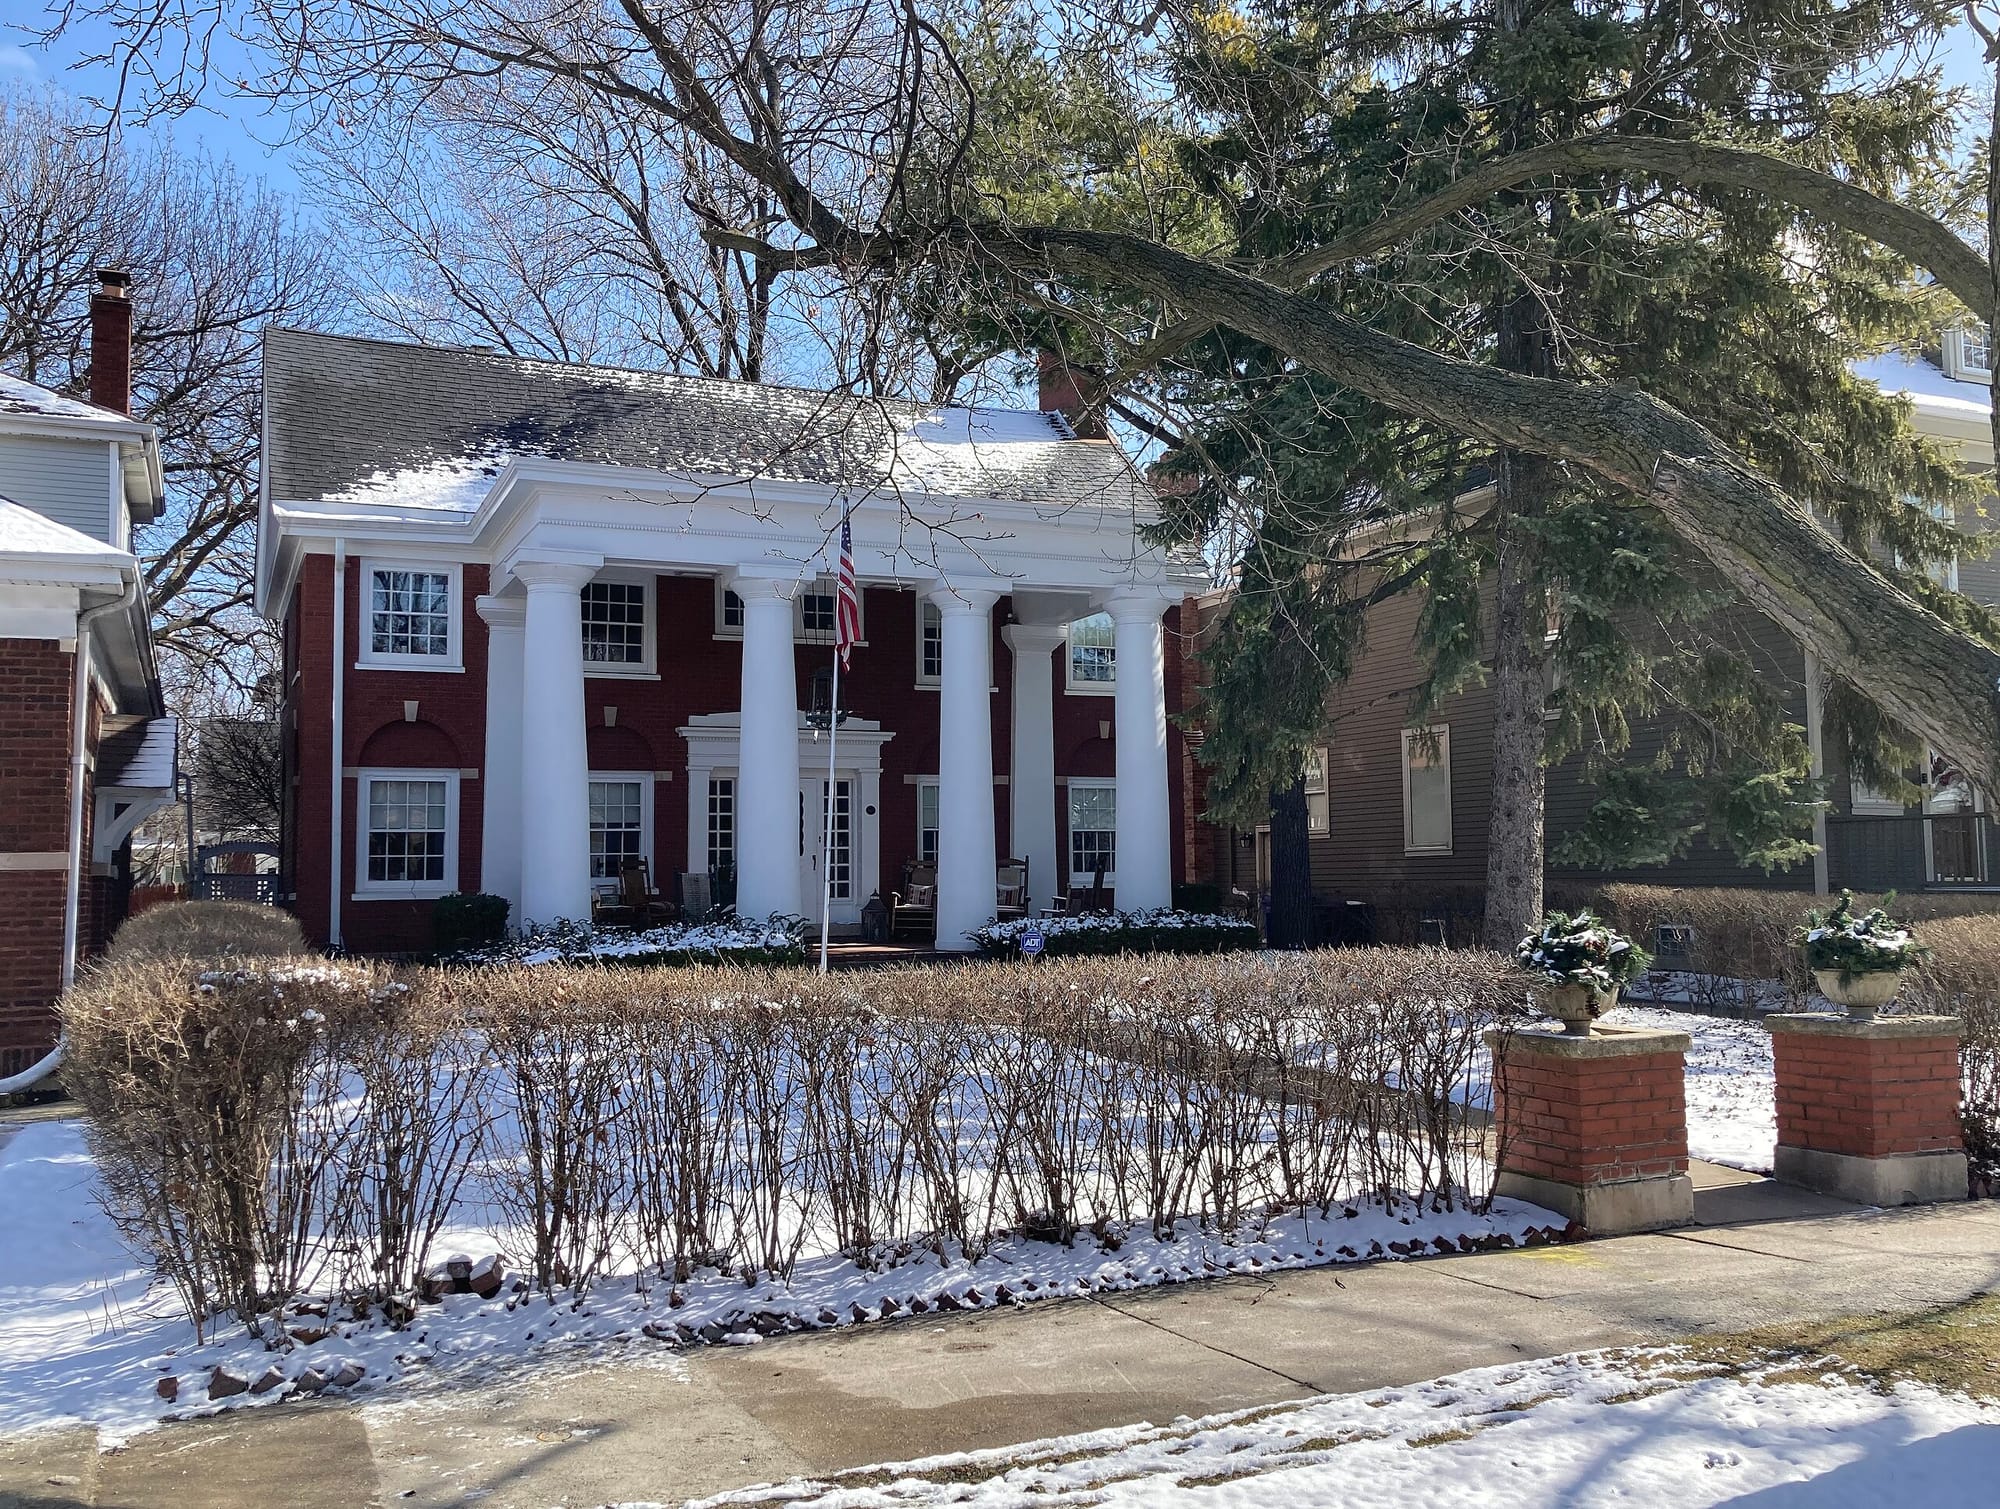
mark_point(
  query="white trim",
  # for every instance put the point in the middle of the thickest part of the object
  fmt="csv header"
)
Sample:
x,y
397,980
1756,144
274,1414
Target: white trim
x,y
1442,731
368,659
403,890
1074,784
647,667
1071,685
1954,361
643,779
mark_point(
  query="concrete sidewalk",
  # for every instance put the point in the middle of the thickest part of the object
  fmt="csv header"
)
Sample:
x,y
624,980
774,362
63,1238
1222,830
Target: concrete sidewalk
x,y
651,1425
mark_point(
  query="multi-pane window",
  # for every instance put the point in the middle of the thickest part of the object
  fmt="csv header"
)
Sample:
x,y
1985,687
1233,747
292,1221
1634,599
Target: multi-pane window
x,y
1427,790
614,623
732,611
1093,656
409,612
840,855
930,643
409,831
927,822
1093,829
617,826
1975,353
816,610
721,825
1319,811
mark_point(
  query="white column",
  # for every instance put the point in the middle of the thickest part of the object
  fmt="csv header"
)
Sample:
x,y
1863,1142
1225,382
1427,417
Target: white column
x,y
500,774
1031,772
1145,856
966,883
555,756
767,767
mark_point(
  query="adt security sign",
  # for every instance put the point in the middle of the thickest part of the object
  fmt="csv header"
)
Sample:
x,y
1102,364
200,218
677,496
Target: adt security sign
x,y
1032,943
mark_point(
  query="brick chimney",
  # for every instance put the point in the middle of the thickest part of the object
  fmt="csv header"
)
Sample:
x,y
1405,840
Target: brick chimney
x,y
111,341
1060,389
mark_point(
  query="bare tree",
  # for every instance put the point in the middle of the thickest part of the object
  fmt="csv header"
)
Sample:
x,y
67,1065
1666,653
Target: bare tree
x,y
213,258
853,120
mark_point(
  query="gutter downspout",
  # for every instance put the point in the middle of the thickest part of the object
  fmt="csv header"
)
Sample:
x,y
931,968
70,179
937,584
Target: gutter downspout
x,y
79,761
336,843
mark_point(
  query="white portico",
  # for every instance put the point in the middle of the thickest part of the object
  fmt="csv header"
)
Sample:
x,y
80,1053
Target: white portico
x,y
595,533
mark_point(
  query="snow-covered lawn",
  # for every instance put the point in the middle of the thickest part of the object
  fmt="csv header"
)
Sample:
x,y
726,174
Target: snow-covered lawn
x,y
1647,1430
1731,1087
87,1336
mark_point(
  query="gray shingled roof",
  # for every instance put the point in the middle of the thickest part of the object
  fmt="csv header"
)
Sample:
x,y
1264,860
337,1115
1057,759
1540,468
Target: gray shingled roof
x,y
139,752
429,426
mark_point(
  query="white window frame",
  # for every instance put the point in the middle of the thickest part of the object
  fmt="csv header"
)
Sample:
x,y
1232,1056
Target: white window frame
x,y
715,778
928,612
1078,688
1319,802
404,890
643,779
1442,733
820,586
1088,783
927,783
647,666
454,657
1956,362
1864,800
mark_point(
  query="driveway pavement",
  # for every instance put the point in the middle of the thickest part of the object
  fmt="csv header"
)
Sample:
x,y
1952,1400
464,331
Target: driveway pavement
x,y
651,1425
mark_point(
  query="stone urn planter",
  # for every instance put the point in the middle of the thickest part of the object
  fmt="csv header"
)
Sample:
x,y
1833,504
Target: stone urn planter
x,y
1862,994
1577,1006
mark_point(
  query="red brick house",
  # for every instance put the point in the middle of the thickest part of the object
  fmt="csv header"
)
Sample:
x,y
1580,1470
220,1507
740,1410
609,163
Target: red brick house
x,y
85,752
544,618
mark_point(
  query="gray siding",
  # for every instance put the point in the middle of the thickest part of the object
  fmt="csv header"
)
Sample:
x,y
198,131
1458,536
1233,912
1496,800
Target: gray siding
x,y
68,480
1979,576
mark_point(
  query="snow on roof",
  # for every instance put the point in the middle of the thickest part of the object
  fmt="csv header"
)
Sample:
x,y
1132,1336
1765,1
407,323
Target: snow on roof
x,y
25,534
140,754
1924,384
429,429
21,397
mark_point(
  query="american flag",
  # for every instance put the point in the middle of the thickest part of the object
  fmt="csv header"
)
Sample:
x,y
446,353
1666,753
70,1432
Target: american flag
x,y
847,608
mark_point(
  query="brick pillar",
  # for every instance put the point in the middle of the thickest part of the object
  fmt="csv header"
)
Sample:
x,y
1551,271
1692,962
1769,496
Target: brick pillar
x,y
1595,1127
1868,1110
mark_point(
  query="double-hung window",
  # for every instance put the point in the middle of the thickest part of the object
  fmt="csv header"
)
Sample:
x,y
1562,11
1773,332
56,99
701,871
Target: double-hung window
x,y
930,643
410,616
1093,829
620,822
1427,790
721,825
927,822
409,833
615,638
1093,655
1319,811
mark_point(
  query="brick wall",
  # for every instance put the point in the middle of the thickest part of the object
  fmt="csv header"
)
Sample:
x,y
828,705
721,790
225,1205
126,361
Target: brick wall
x,y
35,682
699,673
1867,1097
1593,1120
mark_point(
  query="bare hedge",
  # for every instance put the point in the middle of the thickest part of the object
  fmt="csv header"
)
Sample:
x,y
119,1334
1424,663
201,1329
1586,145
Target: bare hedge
x,y
279,1128
207,930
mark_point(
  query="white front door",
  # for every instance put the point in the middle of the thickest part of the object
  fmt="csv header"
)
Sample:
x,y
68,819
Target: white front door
x,y
831,872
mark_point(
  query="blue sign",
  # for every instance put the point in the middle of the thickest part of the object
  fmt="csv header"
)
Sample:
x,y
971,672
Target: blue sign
x,y
1032,942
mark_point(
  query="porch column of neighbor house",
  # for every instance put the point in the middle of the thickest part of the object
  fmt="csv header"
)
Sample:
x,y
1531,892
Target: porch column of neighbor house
x,y
1594,1126
966,879
1869,1110
500,778
1031,771
555,756
1144,858
767,769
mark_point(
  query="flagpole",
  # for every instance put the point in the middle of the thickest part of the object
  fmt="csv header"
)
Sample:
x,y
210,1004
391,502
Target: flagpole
x,y
827,800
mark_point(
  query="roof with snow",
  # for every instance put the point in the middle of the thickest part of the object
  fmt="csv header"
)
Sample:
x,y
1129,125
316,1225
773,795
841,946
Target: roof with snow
x,y
1924,383
22,398
28,535
430,428
139,752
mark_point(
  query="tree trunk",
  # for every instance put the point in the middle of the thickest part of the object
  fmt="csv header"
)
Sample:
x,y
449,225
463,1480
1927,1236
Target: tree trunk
x,y
1516,814
1292,916
1935,680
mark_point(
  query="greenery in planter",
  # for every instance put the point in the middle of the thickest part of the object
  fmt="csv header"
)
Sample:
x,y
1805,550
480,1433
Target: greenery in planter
x,y
468,919
1162,931
1862,944
1580,949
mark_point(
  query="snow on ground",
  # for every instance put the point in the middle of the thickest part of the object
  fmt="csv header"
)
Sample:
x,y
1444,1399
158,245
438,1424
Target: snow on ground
x,y
1647,1430
1731,1087
86,1336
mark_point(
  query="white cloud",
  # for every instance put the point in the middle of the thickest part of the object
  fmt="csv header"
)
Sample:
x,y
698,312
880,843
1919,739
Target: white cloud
x,y
17,59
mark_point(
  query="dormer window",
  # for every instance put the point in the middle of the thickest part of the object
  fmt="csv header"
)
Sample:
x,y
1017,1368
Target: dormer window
x,y
1968,354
